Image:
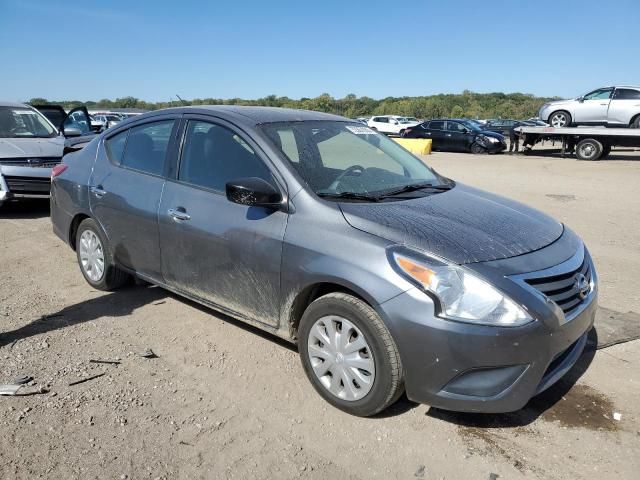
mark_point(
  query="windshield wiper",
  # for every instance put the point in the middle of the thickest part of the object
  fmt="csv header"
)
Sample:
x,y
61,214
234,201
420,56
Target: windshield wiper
x,y
349,196
417,186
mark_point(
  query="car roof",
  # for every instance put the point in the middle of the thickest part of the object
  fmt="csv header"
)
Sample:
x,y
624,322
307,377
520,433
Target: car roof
x,y
12,104
248,114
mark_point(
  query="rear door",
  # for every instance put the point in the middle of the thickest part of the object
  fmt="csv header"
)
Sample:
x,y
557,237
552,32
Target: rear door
x,y
624,106
593,107
219,251
125,189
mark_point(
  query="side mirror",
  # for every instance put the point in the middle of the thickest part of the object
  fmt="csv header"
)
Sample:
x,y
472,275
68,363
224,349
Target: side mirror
x,y
71,132
253,191
580,99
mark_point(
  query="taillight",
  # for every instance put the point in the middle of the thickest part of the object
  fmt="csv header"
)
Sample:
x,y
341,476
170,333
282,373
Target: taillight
x,y
57,170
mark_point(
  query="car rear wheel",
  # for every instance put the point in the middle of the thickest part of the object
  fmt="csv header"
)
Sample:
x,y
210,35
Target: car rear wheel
x,y
636,122
477,148
560,119
589,149
94,258
349,355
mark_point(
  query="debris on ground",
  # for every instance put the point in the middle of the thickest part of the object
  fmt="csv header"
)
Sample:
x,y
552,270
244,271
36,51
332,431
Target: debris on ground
x,y
82,380
420,472
617,416
148,353
108,362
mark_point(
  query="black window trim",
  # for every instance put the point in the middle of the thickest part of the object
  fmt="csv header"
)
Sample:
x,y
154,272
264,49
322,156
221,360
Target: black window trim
x,y
146,121
220,122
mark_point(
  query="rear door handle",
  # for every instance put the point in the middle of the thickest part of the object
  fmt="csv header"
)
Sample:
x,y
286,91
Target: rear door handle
x,y
98,191
178,214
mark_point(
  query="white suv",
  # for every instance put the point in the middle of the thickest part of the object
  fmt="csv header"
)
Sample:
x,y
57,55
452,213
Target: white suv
x,y
392,124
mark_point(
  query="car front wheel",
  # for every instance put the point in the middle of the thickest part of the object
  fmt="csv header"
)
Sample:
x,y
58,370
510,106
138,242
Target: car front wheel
x,y
349,355
560,119
94,258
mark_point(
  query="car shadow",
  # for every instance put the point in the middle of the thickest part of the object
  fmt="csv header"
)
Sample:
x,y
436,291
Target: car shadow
x,y
536,407
115,304
27,208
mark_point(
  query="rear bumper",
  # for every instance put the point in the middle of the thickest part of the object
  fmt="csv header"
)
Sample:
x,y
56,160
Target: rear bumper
x,y
476,368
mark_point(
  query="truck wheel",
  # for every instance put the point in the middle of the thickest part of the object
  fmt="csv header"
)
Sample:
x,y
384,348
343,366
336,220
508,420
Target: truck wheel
x,y
349,355
589,149
94,258
560,119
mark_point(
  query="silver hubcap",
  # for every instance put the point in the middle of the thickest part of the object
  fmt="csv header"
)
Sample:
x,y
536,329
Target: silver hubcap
x,y
341,358
559,120
587,150
91,255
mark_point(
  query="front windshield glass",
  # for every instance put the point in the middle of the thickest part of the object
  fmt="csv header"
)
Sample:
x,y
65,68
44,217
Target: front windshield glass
x,y
347,158
21,122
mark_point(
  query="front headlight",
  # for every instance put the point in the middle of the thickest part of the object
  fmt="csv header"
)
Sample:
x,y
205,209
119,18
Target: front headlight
x,y
492,139
462,295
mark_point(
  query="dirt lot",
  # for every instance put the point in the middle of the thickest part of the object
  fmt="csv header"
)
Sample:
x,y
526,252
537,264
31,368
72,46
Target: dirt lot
x,y
222,400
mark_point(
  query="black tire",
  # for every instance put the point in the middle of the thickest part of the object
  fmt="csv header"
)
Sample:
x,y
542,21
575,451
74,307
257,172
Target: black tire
x,y
402,132
112,277
374,129
589,149
561,118
388,382
636,122
478,149
606,150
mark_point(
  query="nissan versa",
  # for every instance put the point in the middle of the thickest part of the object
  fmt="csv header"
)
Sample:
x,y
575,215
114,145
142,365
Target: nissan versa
x,y
387,275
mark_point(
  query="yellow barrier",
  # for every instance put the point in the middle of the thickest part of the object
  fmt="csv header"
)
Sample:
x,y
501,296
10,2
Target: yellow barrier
x,y
419,146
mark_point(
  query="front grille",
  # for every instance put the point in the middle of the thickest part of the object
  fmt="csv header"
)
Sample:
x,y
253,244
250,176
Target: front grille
x,y
44,162
28,185
563,288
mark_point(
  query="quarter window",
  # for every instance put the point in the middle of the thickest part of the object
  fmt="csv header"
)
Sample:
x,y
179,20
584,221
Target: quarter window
x,y
115,146
146,147
214,155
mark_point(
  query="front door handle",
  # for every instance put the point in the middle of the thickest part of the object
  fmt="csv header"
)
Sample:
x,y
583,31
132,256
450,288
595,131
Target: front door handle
x,y
98,191
178,214
448,134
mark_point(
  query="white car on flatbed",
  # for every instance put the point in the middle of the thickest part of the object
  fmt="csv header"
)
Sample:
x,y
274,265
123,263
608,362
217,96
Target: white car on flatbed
x,y
392,124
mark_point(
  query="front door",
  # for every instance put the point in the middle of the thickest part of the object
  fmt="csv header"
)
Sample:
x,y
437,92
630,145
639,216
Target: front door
x,y
213,249
593,107
125,189
456,137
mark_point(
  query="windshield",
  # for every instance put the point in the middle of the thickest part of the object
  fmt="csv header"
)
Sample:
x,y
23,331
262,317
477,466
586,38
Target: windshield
x,y
22,122
347,158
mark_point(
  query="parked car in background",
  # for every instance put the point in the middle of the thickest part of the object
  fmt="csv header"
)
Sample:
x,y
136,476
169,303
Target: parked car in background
x,y
110,120
362,119
390,124
31,145
610,106
506,126
387,275
458,135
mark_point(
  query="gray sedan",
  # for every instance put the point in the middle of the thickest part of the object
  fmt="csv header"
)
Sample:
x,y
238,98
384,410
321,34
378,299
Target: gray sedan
x,y
387,275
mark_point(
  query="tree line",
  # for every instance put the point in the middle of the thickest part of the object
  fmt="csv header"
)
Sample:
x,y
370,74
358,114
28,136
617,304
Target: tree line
x,y
466,104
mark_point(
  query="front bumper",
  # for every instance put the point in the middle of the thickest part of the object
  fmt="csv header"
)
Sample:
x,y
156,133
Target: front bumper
x,y
24,182
475,368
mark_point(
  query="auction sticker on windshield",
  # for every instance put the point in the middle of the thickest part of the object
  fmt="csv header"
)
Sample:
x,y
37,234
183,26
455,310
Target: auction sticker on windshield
x,y
360,130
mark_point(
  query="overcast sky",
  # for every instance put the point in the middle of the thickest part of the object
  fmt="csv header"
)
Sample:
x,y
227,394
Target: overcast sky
x,y
153,50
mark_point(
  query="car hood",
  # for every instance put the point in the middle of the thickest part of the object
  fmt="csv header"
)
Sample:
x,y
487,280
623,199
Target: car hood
x,y
31,147
462,225
557,103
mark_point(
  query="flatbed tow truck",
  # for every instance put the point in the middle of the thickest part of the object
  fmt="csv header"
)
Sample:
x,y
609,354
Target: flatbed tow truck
x,y
589,143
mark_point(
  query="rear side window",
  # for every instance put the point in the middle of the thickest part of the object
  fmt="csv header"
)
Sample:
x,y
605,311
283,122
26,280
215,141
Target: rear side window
x,y
115,146
627,94
146,147
214,155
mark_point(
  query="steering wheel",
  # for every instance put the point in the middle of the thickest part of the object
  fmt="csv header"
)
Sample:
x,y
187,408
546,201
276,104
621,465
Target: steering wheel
x,y
349,171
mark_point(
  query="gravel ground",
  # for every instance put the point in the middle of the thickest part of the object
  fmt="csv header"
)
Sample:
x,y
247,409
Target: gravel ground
x,y
223,400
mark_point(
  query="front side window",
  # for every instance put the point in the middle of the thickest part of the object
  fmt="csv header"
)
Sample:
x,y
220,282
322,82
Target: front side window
x,y
601,94
214,155
21,122
437,125
456,127
339,157
146,147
